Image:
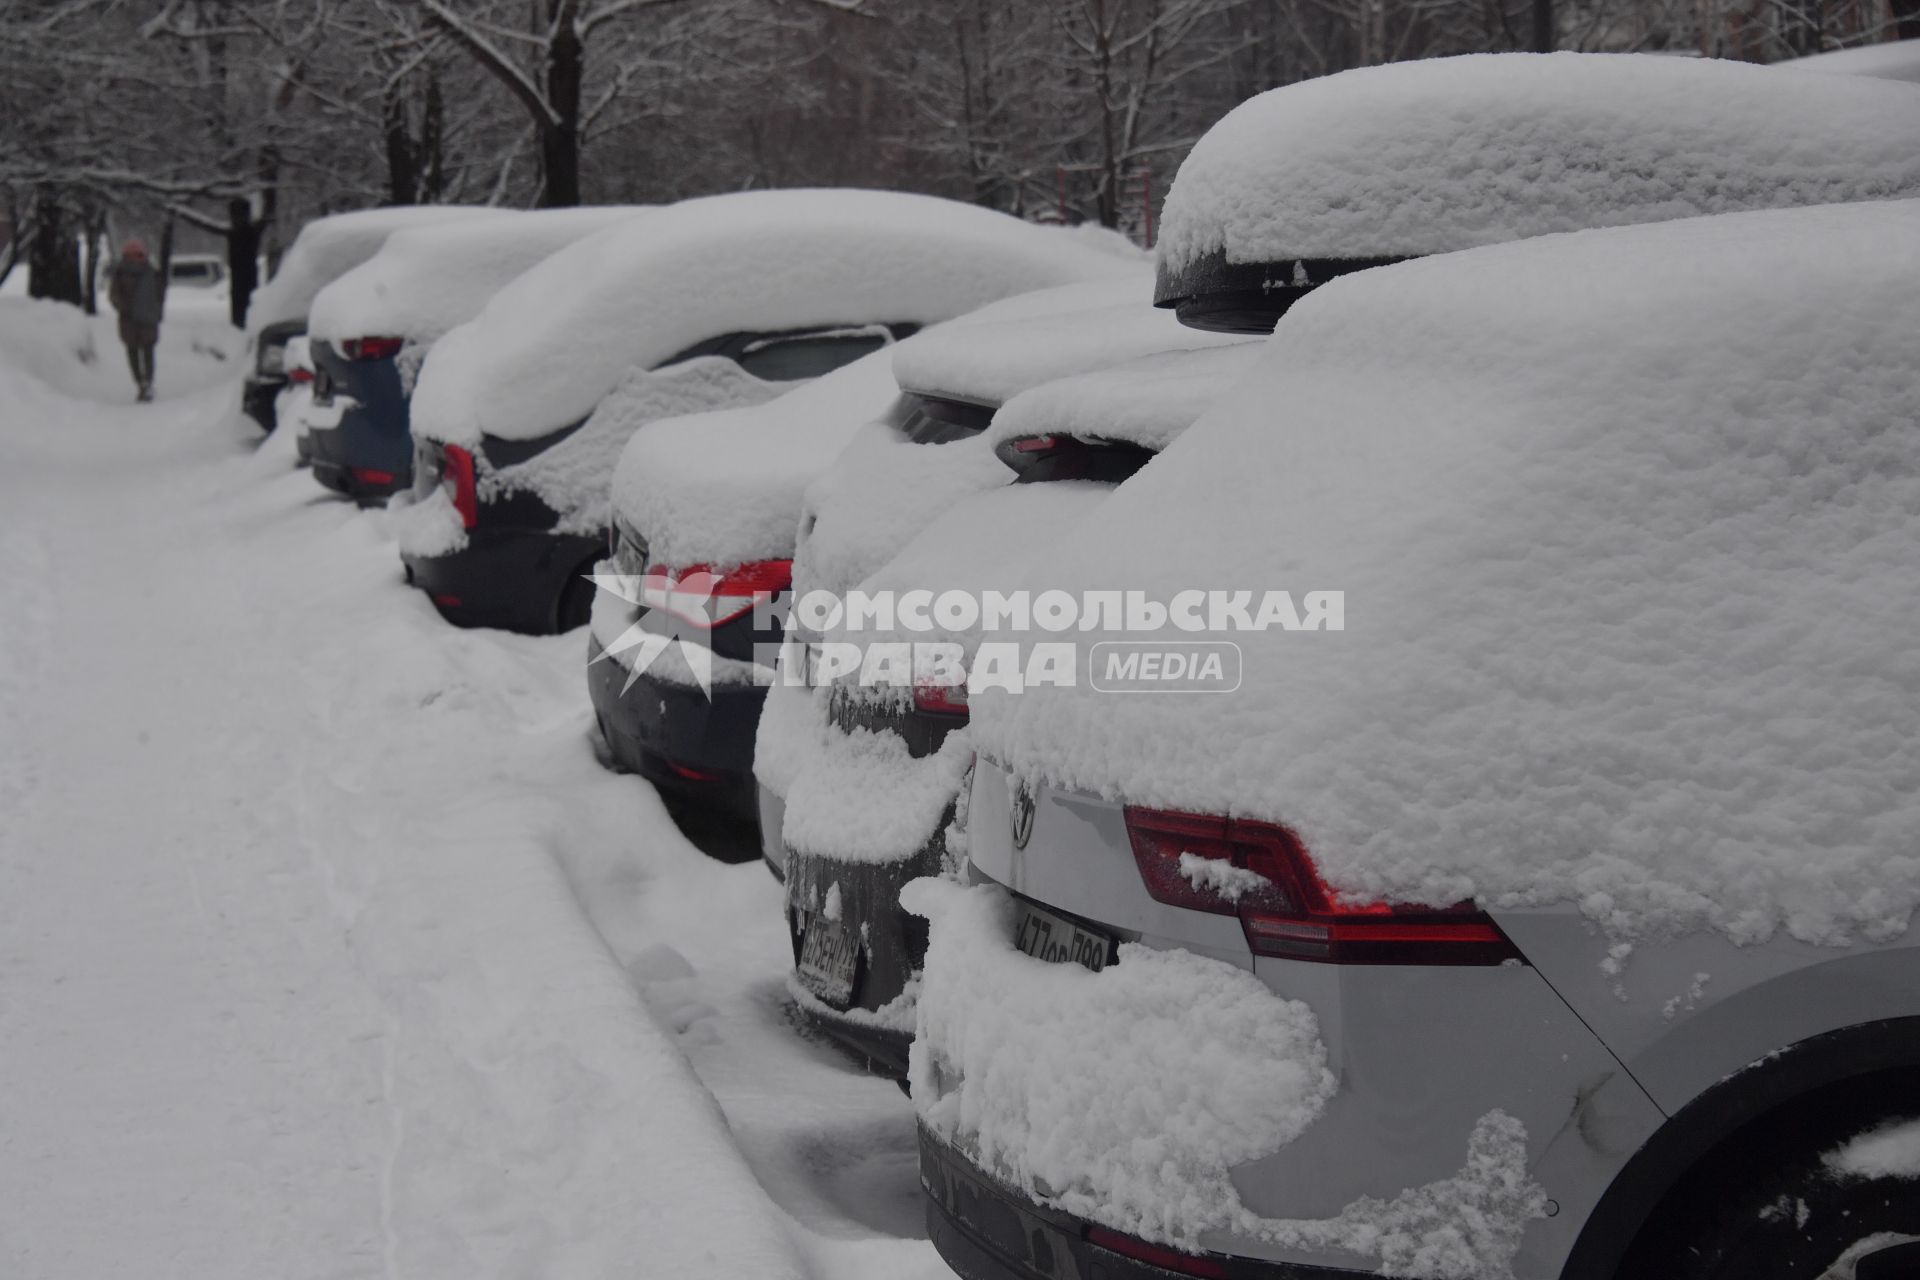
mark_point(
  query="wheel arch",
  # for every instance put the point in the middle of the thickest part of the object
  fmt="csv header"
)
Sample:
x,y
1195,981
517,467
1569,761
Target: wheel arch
x,y
1775,1090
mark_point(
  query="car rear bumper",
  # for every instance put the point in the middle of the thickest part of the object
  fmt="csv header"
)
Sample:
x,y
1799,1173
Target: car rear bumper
x,y
368,476
678,737
256,399
985,1230
512,579
892,947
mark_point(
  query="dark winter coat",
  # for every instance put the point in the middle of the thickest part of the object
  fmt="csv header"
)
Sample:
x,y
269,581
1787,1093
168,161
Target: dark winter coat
x,y
135,294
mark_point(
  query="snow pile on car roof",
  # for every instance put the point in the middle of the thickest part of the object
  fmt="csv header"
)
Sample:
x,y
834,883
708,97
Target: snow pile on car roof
x,y
554,341
725,487
1147,402
328,248
883,489
425,280
1895,60
999,351
1625,526
1447,153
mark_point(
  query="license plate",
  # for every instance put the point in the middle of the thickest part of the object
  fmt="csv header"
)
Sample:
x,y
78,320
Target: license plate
x,y
1046,936
827,957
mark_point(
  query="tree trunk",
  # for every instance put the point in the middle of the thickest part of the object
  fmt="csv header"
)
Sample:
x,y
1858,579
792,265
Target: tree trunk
x,y
166,254
403,170
560,138
94,222
433,143
1545,38
53,262
243,257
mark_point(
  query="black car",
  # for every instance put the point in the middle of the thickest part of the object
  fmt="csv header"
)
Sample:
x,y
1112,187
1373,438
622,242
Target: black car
x,y
268,376
520,569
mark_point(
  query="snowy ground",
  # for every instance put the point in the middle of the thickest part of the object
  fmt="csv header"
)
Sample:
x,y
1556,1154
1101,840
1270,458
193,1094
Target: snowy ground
x,y
326,947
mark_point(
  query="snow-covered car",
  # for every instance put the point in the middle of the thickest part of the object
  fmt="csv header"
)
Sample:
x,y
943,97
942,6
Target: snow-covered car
x,y
1318,179
197,272
326,249
1552,918
371,329
1894,60
873,801
521,414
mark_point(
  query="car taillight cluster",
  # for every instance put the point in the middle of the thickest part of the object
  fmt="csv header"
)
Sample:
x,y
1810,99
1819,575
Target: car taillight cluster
x,y
940,699
297,374
371,348
1286,909
684,591
457,474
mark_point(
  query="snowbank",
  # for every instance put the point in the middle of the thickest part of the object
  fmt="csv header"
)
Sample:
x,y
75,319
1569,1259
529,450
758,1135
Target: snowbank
x,y
725,487
549,345
80,355
1447,153
425,280
1624,525
1147,402
328,248
1894,60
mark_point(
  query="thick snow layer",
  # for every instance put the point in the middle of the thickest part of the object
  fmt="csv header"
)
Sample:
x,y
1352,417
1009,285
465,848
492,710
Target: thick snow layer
x,y
793,728
573,476
1446,153
725,487
1891,1151
1894,60
1624,526
1148,401
1128,1094
328,248
878,493
558,338
863,798
999,351
426,280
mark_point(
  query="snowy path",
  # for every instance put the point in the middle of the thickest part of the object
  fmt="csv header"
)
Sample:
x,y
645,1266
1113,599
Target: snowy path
x,y
327,950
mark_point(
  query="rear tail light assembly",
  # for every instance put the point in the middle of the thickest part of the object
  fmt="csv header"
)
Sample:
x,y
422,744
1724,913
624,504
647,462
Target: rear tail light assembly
x,y
299,375
704,597
457,475
1185,1264
1285,908
940,699
368,475
1040,459
371,348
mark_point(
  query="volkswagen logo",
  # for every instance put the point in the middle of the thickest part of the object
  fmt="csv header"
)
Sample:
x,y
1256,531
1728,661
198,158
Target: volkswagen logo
x,y
1020,816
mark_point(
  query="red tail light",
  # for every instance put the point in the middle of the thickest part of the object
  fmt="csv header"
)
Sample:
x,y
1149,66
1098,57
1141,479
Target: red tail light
x,y
297,374
732,592
1186,1264
371,348
940,699
1285,907
367,475
458,470
1036,444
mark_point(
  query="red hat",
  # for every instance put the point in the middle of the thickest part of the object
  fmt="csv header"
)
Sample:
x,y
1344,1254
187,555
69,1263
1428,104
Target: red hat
x,y
134,248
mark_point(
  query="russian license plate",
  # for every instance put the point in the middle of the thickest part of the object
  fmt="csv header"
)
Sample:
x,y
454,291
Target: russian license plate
x,y
1046,936
827,957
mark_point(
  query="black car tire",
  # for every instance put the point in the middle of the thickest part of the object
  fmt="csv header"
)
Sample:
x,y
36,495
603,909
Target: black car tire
x,y
1765,1206
576,599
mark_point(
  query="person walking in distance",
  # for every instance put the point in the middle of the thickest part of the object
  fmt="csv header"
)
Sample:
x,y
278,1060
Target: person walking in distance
x,y
136,295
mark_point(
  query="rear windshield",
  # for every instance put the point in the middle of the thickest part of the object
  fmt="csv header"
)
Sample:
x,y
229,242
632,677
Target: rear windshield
x,y
783,359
